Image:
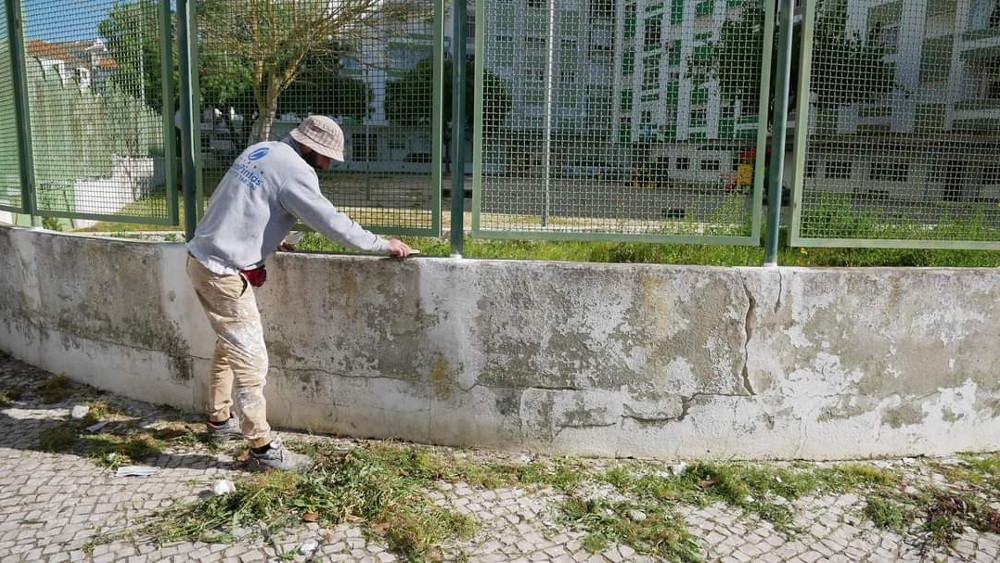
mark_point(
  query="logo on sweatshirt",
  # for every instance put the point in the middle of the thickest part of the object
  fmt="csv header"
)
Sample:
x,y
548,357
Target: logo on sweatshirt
x,y
259,154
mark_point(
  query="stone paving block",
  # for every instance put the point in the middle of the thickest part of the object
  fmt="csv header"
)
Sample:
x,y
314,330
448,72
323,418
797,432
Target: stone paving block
x,y
78,500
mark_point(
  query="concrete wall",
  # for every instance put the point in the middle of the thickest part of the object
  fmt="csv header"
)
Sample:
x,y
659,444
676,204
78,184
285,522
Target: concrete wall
x,y
572,358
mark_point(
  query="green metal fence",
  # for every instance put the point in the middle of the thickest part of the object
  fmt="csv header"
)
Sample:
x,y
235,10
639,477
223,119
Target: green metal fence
x,y
622,120
96,107
374,66
898,124
584,119
10,176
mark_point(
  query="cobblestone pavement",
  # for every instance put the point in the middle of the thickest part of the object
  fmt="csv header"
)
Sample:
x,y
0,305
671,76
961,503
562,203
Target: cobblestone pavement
x,y
54,505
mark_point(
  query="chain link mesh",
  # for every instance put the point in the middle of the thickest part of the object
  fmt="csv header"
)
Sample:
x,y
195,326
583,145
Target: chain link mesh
x,y
904,118
629,117
10,175
368,64
95,105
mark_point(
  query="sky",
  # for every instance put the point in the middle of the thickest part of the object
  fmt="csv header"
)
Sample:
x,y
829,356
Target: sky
x,y
64,20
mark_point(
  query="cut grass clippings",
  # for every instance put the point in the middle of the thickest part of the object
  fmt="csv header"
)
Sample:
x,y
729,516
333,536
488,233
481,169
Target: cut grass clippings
x,y
383,488
10,394
55,389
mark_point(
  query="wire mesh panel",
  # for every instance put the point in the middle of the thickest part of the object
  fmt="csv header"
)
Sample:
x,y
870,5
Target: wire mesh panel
x,y
96,105
10,177
622,119
374,66
903,110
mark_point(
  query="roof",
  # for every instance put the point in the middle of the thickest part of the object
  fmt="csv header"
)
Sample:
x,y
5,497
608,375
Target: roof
x,y
39,48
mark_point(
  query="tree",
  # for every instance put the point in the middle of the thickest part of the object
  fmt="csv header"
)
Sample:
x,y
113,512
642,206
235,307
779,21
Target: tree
x,y
273,38
131,34
323,87
409,100
846,67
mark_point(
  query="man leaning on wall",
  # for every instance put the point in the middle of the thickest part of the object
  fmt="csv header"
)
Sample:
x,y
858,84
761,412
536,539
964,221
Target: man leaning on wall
x,y
249,215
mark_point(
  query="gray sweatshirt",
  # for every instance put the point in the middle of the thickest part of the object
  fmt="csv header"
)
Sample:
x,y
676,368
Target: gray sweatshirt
x,y
256,204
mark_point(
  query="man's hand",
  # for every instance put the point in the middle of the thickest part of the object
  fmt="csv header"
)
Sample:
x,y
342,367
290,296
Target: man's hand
x,y
398,249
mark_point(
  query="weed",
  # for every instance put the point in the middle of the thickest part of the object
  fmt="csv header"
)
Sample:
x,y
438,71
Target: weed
x,y
113,451
380,486
889,513
660,531
11,394
57,439
595,543
55,389
979,471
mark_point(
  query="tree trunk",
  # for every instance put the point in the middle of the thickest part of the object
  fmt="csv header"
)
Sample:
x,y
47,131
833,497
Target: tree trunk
x,y
268,109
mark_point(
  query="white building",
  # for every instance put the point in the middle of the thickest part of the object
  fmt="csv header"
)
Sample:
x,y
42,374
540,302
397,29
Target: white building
x,y
934,137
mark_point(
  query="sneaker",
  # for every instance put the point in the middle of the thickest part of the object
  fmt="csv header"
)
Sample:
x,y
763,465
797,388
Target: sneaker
x,y
278,457
226,431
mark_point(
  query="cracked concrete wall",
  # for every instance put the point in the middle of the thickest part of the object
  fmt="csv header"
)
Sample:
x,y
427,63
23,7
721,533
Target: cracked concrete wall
x,y
627,360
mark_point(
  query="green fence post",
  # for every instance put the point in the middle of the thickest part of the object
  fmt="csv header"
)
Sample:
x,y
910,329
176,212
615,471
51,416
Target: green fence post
x,y
189,97
776,168
169,129
458,128
15,37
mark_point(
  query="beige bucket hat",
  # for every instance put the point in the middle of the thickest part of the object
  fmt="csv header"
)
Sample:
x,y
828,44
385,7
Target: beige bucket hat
x,y
321,134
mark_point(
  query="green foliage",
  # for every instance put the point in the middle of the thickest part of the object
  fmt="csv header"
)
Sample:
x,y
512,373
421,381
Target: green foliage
x,y
84,129
409,100
886,512
57,439
55,389
322,87
659,530
840,59
131,32
379,486
264,43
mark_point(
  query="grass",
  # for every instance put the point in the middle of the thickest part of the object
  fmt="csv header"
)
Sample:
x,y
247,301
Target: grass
x,y
889,513
659,531
937,515
11,394
108,450
832,216
55,389
692,254
381,487
105,449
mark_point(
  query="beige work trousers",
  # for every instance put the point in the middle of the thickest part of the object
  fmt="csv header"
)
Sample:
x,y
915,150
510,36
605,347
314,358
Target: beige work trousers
x,y
240,354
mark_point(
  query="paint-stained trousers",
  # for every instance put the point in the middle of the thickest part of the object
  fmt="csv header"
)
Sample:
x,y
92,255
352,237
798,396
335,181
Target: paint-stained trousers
x,y
240,355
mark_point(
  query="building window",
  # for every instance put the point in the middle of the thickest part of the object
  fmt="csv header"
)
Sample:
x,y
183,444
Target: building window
x,y
654,28
710,164
647,116
991,175
651,73
628,62
364,147
683,163
889,171
810,169
839,170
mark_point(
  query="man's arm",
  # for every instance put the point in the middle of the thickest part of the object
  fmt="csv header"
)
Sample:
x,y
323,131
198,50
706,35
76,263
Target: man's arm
x,y
301,197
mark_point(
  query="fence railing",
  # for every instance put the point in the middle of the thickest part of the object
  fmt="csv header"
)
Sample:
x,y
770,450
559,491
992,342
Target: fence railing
x,y
583,119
